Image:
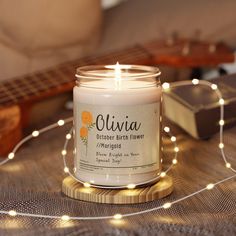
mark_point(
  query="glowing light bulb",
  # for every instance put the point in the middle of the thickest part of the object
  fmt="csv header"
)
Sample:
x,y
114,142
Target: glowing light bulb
x,y
174,161
221,122
12,213
210,186
11,155
65,217
87,185
66,169
131,186
195,81
68,136
35,133
176,149
221,145
228,165
222,101
165,86
167,129
167,205
74,151
163,174
173,138
61,122
117,216
63,152
214,86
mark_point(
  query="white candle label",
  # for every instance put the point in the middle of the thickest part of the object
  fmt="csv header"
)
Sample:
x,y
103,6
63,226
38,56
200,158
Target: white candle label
x,y
117,139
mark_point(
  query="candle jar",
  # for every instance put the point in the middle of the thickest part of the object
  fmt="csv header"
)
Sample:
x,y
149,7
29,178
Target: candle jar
x,y
117,121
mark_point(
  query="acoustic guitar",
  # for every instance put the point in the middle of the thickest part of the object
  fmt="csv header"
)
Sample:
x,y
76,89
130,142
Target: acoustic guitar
x,y
19,94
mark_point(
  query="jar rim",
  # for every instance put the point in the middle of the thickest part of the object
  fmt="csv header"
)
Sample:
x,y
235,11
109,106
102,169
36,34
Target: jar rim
x,y
132,72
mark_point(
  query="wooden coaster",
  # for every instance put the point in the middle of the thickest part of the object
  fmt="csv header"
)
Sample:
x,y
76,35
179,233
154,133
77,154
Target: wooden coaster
x,y
76,190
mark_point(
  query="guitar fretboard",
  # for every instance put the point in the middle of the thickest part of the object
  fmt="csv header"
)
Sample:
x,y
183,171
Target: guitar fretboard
x,y
62,78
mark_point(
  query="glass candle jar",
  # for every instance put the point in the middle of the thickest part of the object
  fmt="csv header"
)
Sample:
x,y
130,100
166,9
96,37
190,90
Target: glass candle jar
x,y
117,115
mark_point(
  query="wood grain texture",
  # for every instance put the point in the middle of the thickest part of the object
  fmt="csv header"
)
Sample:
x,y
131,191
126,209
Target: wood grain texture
x,y
76,190
10,132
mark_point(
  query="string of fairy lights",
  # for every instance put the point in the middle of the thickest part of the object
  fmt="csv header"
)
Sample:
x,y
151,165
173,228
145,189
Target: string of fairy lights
x,y
131,185
118,216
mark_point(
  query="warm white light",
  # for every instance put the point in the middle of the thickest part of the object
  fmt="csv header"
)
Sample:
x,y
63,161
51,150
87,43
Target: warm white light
x,y
221,122
221,145
195,81
65,217
173,138
117,71
222,101
167,129
165,85
11,155
167,205
174,161
74,151
63,152
228,165
210,186
163,174
126,67
66,170
35,133
87,185
61,122
12,213
68,136
117,216
176,149
214,86
131,186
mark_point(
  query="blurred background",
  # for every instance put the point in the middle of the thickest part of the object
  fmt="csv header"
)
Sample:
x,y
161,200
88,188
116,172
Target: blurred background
x,y
35,35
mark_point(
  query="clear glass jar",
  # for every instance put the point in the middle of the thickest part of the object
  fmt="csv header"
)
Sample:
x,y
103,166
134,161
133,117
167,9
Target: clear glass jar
x,y
117,114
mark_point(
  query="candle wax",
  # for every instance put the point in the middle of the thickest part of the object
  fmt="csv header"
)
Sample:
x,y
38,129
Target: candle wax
x,y
117,136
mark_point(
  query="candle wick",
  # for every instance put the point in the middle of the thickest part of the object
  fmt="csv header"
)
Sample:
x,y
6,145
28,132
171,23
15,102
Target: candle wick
x,y
117,76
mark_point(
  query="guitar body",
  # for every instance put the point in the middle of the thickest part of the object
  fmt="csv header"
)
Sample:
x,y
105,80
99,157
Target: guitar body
x,y
10,128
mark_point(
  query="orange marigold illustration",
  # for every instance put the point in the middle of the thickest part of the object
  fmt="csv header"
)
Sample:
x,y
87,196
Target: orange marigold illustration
x,y
83,132
87,118
87,126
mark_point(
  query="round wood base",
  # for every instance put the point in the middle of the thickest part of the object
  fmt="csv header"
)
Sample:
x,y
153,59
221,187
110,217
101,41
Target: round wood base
x,y
76,190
